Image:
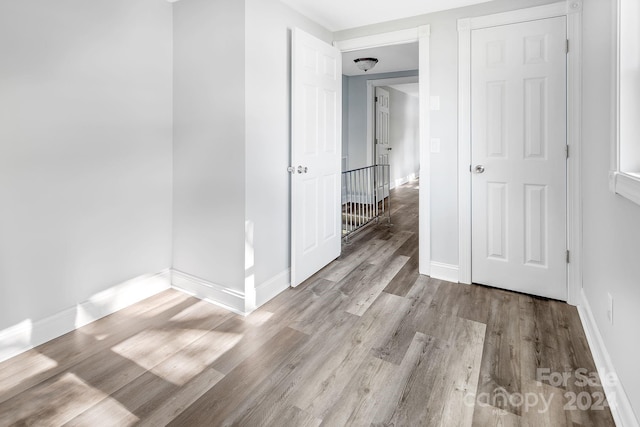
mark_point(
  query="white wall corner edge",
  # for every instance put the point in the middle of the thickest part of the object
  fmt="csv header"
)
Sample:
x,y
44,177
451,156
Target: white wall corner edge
x,y
619,402
442,271
221,296
272,287
29,334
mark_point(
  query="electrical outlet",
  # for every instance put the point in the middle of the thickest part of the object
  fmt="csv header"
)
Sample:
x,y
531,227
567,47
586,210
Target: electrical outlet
x,y
610,308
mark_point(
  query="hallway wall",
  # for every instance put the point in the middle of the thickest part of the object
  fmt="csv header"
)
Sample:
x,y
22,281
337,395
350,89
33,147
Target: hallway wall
x,y
355,90
404,136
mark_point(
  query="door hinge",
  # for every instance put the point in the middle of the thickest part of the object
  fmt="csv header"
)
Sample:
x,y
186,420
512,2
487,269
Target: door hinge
x,y
567,149
567,45
376,99
568,257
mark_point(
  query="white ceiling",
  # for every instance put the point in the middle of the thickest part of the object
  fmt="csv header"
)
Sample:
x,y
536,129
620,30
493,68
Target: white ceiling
x,y
390,58
337,15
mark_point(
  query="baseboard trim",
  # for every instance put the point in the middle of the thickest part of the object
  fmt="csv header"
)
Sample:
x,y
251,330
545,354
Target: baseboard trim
x,y
442,271
402,181
227,298
272,287
29,334
619,402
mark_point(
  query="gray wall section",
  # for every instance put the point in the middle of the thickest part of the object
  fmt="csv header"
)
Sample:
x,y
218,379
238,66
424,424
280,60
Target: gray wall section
x,y
85,150
356,93
209,140
268,140
404,135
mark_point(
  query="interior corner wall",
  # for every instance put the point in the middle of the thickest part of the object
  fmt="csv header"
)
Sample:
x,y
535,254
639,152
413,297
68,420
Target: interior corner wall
x,y
611,223
268,140
356,92
85,150
209,141
444,124
404,135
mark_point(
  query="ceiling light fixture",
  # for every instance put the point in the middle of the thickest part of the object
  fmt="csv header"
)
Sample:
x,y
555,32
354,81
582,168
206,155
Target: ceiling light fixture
x,y
365,64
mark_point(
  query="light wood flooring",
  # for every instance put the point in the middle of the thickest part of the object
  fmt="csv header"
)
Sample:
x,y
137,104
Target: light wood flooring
x,y
366,341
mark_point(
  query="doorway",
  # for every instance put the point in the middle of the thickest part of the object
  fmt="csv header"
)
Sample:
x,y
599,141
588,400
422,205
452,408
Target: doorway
x,y
420,35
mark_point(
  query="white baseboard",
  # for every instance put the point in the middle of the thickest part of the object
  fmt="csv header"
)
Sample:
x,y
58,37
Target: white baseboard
x,y
402,181
442,271
273,287
28,334
619,402
227,298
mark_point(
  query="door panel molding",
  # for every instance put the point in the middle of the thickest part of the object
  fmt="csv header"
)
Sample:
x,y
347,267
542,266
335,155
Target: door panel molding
x,y
573,11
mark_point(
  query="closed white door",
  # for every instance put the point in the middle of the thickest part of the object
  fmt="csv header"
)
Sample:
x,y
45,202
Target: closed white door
x,y
316,151
518,140
383,147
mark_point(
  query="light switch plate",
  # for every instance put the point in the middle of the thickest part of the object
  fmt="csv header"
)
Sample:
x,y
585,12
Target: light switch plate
x,y
435,145
434,103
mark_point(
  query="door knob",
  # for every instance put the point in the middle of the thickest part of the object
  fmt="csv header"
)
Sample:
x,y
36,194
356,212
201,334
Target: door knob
x,y
479,169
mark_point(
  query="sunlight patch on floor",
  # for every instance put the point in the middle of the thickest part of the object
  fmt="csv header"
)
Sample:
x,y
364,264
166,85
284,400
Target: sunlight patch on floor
x,y
31,364
258,318
176,355
57,402
150,347
198,356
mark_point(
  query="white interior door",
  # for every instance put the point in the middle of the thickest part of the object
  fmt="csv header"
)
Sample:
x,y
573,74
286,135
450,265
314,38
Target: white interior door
x,y
316,152
383,147
518,153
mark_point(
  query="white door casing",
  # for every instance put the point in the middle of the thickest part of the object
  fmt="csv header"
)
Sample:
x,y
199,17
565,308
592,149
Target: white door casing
x,y
316,151
518,157
422,35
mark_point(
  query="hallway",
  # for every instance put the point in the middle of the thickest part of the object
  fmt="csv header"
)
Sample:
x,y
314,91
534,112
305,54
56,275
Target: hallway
x,y
364,341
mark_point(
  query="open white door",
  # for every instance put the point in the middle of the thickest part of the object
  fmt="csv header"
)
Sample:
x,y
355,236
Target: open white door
x,y
316,150
519,143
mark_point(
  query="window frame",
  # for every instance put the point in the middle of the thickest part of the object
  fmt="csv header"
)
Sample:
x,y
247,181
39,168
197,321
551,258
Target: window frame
x,y
624,183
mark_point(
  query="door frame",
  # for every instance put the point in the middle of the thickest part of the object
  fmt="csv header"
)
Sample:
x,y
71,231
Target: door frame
x,y
421,35
572,9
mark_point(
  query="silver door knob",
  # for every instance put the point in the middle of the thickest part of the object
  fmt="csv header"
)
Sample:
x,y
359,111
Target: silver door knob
x,y
303,169
479,169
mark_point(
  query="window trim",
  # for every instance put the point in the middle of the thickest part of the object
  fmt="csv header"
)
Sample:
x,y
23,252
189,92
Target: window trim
x,y
623,183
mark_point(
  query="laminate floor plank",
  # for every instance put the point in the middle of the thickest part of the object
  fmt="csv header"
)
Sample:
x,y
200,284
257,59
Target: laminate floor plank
x,y
365,341
501,358
415,319
217,404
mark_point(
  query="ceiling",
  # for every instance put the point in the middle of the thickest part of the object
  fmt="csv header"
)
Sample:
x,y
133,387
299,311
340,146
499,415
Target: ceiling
x,y
390,58
337,15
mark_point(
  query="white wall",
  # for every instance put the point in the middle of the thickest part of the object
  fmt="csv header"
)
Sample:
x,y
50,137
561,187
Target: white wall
x,y
268,139
611,222
85,150
209,140
404,136
356,133
444,83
